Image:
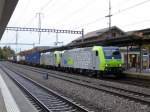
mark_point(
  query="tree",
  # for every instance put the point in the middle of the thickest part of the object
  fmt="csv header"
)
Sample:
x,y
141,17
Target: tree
x,y
6,52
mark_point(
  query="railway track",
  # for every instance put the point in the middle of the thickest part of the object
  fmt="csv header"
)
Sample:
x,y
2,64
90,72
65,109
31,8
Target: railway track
x,y
130,81
48,100
118,91
133,82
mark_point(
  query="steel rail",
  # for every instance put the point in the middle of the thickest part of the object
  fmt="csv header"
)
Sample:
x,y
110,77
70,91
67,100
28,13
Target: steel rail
x,y
136,96
73,104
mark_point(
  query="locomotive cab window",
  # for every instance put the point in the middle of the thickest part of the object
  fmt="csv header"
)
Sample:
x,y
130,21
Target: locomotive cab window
x,y
116,53
96,53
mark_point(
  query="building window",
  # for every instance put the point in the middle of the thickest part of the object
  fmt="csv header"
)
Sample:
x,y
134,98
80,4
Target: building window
x,y
113,34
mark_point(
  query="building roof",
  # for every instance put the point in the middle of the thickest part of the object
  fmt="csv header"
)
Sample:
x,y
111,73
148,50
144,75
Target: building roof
x,y
6,9
99,32
126,40
142,33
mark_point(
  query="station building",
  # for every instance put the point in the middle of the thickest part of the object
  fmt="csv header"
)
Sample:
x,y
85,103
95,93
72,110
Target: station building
x,y
131,54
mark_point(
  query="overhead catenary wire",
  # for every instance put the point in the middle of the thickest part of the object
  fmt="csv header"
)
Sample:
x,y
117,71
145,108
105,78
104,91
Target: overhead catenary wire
x,y
113,14
137,22
101,18
89,23
92,22
131,7
117,12
121,3
45,5
51,4
65,4
41,9
70,15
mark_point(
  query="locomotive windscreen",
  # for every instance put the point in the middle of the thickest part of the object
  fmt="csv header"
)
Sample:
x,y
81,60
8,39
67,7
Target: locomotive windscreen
x,y
112,53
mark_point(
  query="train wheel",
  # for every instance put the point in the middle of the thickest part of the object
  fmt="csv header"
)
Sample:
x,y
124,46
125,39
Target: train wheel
x,y
91,73
120,75
100,75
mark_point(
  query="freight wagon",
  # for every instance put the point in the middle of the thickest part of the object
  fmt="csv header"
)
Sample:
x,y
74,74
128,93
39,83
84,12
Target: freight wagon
x,y
33,58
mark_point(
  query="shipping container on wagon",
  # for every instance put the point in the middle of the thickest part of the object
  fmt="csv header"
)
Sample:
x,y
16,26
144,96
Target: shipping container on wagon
x,y
33,58
20,58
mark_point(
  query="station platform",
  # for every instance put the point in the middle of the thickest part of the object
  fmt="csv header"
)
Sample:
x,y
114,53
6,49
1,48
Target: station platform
x,y
133,73
2,104
12,99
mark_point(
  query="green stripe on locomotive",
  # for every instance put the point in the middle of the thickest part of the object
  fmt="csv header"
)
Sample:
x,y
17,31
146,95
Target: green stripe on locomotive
x,y
70,61
57,57
101,56
106,63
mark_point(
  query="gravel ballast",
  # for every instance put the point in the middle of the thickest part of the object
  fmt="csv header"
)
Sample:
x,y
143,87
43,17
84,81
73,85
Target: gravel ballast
x,y
97,101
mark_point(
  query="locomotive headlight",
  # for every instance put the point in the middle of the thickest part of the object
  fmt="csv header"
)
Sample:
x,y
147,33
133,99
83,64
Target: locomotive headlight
x,y
120,65
106,65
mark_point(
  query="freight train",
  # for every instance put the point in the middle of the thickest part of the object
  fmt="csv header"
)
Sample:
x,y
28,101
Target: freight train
x,y
96,60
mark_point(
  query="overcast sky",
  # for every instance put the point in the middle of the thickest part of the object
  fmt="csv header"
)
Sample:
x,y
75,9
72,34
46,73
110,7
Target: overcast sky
x,y
74,15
